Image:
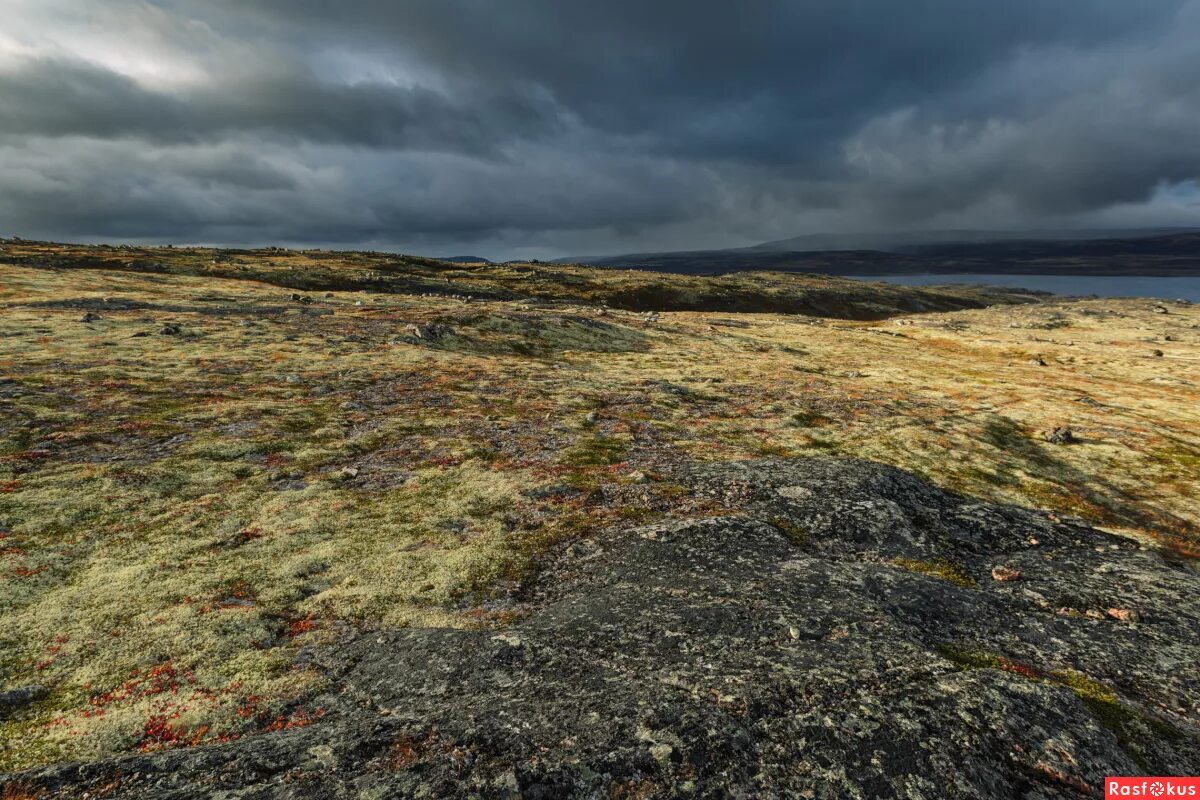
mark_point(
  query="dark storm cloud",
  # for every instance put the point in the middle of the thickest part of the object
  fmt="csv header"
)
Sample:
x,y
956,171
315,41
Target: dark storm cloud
x,y
761,81
59,97
576,126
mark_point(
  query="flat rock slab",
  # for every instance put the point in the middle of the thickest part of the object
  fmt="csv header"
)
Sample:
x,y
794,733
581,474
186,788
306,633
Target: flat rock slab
x,y
839,636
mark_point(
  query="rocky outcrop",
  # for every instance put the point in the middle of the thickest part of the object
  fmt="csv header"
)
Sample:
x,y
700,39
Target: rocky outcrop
x,y
839,635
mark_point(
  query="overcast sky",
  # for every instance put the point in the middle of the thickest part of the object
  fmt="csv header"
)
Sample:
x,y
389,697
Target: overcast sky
x,y
539,128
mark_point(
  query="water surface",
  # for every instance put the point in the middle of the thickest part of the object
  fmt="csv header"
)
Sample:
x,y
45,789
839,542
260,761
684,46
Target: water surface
x,y
1101,285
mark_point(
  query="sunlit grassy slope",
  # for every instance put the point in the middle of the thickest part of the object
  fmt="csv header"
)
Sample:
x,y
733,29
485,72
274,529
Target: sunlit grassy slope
x,y
201,477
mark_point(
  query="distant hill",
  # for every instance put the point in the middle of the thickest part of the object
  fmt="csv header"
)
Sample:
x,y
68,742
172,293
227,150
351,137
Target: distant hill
x,y
466,260
898,241
1176,253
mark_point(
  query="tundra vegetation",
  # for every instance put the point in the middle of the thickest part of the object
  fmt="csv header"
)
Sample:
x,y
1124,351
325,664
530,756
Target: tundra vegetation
x,y
212,462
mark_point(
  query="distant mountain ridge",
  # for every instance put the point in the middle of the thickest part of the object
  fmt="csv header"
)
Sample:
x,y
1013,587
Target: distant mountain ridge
x,y
1175,253
898,241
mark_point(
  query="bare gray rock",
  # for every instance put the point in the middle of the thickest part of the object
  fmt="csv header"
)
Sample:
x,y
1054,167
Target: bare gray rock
x,y
837,635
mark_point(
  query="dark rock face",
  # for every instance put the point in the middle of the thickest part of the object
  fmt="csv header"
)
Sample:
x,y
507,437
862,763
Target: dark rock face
x,y
841,637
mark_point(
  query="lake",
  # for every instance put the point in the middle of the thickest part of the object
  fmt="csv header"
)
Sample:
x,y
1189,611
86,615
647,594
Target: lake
x,y
1101,285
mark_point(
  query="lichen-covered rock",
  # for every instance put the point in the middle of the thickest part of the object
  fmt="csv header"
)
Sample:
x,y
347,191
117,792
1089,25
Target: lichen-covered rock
x,y
839,636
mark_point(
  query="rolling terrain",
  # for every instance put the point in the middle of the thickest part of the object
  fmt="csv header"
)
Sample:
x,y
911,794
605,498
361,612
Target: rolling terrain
x,y
309,524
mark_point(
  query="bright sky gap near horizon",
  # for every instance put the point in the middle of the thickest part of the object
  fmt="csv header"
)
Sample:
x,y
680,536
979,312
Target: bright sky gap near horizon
x,y
542,128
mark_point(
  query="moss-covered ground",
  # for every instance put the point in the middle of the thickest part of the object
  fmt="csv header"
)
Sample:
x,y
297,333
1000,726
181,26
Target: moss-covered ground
x,y
201,476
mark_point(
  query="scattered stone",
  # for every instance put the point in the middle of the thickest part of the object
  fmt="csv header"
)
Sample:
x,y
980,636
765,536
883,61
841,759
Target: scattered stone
x,y
1038,361
1160,310
1125,615
558,491
1005,574
1156,353
170,329
15,699
348,472
90,317
1061,435
591,417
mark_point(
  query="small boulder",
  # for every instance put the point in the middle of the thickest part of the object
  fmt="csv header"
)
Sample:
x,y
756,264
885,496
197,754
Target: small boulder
x,y
15,699
1005,574
429,333
1061,435
1125,615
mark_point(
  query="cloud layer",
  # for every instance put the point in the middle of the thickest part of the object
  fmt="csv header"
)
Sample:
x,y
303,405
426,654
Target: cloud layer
x,y
543,127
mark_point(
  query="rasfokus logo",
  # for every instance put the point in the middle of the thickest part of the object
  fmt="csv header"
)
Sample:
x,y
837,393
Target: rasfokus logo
x,y
1151,787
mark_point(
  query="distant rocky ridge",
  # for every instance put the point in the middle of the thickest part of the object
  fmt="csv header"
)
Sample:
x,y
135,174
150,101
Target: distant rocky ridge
x,y
465,260
843,630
